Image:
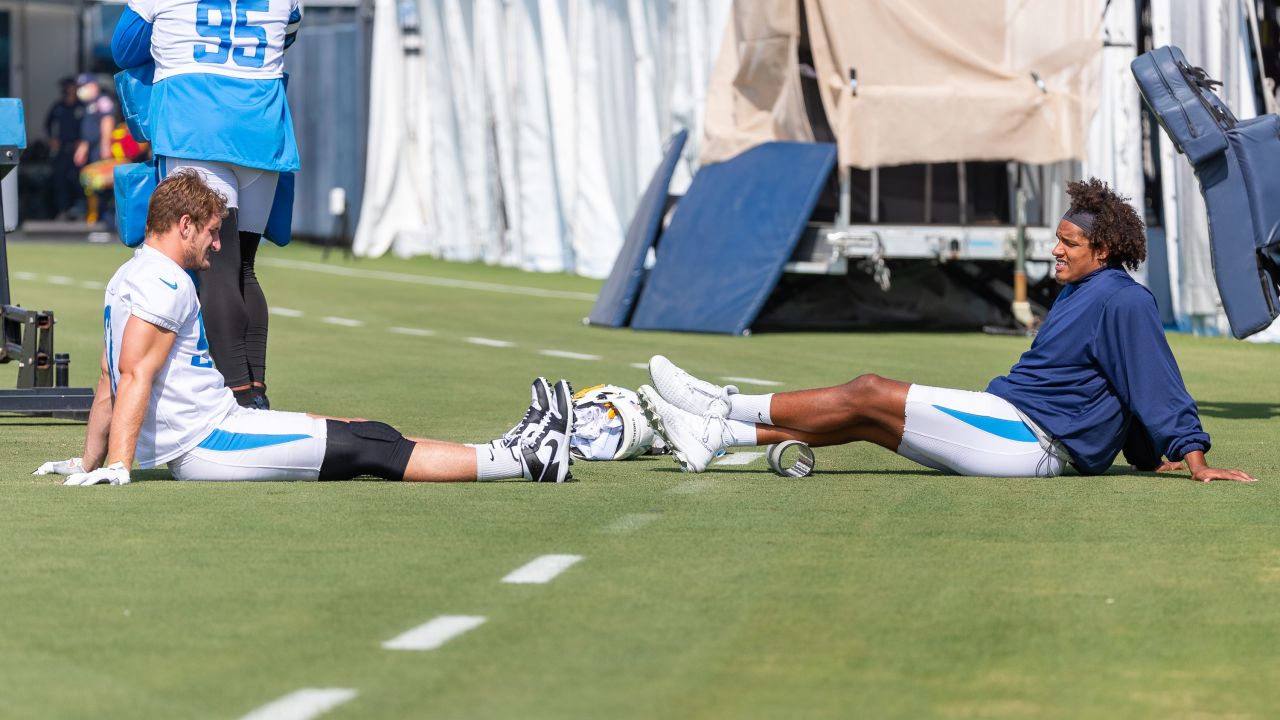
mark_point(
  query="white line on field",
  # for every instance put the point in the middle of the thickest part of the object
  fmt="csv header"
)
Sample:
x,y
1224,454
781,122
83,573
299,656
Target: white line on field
x,y
489,342
22,275
92,285
428,280
568,355
692,486
59,280
304,704
416,332
640,366
630,523
435,633
738,458
344,322
541,570
286,312
752,381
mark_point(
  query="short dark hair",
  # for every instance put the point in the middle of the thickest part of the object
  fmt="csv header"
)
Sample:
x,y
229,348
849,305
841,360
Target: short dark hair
x,y
1116,226
183,193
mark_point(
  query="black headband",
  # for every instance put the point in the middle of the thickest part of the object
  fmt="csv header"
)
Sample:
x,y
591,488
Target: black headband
x,y
1082,219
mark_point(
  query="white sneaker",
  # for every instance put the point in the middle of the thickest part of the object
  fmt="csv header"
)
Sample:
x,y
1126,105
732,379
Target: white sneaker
x,y
695,440
688,392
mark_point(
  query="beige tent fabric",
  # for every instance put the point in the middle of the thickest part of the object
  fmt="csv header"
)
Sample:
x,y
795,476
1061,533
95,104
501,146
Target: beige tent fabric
x,y
754,94
938,80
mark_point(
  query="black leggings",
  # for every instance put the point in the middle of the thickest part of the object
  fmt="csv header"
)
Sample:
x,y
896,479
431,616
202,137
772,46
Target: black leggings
x,y
235,310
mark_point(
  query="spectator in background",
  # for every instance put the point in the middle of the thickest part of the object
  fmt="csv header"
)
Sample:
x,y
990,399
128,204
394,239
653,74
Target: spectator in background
x,y
98,121
95,144
62,127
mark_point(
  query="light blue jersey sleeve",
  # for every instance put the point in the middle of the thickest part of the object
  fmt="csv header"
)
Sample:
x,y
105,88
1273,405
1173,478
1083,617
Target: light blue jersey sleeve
x,y
131,41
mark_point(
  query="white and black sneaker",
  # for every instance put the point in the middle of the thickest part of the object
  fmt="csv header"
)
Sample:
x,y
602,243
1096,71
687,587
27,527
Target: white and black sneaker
x,y
544,449
539,401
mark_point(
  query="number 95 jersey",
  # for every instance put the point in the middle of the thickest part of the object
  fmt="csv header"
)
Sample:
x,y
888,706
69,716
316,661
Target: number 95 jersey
x,y
235,38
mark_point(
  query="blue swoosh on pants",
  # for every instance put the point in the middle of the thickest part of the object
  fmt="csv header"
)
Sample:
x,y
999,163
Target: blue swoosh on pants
x,y
223,441
1009,429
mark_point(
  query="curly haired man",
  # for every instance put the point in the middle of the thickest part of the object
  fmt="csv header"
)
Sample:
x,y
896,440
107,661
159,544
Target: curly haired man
x,y
1099,379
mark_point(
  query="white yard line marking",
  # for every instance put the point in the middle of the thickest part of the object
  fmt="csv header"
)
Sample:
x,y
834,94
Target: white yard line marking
x,y
92,285
541,570
344,322
21,275
489,342
630,523
59,280
692,486
427,280
640,366
435,633
286,312
568,355
738,458
416,332
304,704
752,381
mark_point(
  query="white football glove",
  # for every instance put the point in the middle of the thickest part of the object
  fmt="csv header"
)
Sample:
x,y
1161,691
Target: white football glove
x,y
113,474
60,467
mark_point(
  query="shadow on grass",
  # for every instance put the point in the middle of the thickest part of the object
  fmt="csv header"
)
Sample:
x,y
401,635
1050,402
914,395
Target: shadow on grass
x,y
1238,410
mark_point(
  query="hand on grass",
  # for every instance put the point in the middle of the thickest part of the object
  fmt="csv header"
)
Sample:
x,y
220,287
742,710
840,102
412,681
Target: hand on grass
x,y
113,474
1207,474
60,467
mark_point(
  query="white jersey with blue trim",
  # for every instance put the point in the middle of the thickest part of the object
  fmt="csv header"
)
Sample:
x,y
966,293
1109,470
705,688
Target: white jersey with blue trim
x,y
188,398
235,38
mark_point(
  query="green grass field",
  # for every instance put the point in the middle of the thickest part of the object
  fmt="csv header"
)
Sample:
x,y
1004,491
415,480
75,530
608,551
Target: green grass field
x,y
873,589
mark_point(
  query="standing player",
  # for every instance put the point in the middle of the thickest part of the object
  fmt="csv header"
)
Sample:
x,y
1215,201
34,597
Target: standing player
x,y
218,106
1099,378
159,400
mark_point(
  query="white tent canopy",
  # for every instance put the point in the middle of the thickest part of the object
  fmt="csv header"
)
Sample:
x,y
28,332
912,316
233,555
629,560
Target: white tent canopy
x,y
523,132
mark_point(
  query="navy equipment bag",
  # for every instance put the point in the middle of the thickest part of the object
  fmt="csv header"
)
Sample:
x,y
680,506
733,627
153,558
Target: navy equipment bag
x,y
1238,165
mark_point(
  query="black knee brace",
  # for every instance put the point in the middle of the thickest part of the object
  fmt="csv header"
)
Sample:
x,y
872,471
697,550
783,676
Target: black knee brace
x,y
364,448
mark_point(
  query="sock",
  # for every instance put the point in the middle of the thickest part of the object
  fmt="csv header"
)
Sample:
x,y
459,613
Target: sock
x,y
497,464
751,408
744,433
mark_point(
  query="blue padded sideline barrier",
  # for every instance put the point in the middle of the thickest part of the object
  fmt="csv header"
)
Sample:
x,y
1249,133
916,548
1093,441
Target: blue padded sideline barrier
x,y
723,252
1236,163
618,294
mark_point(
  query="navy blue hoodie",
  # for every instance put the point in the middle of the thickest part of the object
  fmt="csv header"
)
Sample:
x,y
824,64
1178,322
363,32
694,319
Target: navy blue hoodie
x,y
1100,377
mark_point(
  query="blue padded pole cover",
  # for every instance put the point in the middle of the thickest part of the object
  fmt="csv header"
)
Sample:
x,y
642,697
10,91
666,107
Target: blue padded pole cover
x,y
618,294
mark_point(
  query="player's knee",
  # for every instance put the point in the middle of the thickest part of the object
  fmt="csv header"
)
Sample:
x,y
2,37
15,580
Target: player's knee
x,y
364,448
863,386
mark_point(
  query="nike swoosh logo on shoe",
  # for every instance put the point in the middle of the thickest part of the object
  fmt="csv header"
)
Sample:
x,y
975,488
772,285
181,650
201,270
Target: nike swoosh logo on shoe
x,y
552,468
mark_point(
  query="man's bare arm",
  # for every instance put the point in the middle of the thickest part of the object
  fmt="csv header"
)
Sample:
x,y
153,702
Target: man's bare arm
x,y
95,437
144,349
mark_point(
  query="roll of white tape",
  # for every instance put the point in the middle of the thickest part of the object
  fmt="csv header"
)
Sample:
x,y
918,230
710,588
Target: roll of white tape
x,y
790,458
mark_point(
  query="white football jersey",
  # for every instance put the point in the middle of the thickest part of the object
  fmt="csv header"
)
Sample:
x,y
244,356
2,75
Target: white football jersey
x,y
188,397
237,38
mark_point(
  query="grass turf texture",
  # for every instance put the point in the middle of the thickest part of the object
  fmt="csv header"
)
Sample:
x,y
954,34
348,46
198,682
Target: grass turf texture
x,y
873,588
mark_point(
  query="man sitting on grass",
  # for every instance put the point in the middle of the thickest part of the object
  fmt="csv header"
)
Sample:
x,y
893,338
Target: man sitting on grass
x,y
160,400
1099,378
